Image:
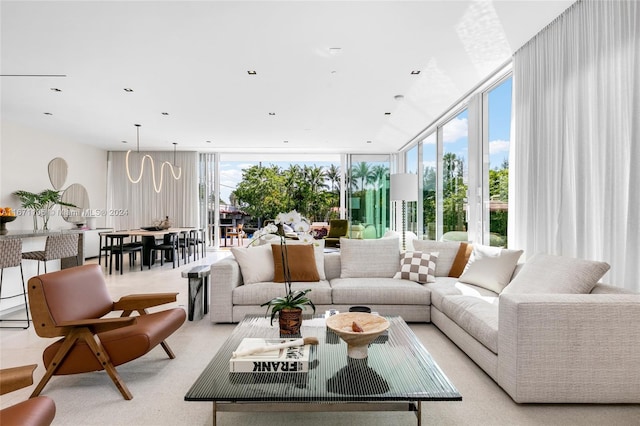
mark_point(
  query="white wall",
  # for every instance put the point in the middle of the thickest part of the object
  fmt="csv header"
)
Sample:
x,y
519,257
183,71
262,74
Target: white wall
x,y
24,156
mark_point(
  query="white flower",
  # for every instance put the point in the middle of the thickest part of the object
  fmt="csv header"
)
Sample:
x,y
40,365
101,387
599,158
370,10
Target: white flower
x,y
291,217
271,228
305,238
301,226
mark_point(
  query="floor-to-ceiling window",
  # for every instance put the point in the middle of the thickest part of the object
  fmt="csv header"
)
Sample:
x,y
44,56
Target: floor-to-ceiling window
x,y
455,148
497,169
368,195
460,156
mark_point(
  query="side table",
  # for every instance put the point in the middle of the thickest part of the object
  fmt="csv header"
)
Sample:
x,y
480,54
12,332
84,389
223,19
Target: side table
x,y
198,290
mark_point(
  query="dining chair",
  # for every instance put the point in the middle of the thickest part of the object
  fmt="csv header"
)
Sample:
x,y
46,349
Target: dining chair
x,y
11,257
74,305
168,245
118,248
58,246
238,233
39,411
184,244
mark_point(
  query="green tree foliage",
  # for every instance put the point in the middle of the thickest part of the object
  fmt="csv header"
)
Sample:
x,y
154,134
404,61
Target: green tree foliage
x,y
454,193
266,191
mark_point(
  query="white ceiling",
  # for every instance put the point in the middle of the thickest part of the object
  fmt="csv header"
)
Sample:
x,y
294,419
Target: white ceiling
x,y
190,60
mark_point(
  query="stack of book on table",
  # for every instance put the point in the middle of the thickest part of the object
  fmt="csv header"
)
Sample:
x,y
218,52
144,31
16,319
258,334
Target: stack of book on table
x,y
294,359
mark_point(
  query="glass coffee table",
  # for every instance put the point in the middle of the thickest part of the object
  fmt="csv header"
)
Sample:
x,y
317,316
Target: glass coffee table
x,y
398,375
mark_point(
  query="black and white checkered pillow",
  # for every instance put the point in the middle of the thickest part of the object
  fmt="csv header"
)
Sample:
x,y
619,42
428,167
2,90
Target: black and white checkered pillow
x,y
418,266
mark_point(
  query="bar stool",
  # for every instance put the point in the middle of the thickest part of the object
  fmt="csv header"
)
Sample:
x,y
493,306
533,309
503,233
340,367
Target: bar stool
x,y
58,246
11,256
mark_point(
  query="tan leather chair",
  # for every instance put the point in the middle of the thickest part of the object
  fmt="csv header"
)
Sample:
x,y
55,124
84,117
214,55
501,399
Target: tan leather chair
x,y
71,303
38,411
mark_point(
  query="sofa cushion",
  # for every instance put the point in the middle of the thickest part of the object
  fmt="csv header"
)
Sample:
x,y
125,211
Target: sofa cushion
x,y
318,251
369,258
557,274
461,259
256,263
490,267
255,295
300,260
446,250
448,286
417,266
477,317
378,291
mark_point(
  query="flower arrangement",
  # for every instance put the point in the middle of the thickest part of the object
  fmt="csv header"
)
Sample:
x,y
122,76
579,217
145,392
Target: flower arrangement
x,y
292,300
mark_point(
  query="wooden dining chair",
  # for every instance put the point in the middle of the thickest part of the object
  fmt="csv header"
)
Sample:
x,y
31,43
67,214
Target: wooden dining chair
x,y
72,304
238,233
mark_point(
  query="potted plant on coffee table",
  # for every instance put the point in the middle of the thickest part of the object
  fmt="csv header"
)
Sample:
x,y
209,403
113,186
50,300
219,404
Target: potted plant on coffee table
x,y
289,307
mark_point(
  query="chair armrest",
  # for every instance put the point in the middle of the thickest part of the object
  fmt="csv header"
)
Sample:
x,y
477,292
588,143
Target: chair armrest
x,y
225,276
569,348
99,325
15,378
134,302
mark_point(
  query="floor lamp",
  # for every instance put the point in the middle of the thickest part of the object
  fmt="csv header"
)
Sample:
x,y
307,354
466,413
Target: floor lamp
x,y
404,187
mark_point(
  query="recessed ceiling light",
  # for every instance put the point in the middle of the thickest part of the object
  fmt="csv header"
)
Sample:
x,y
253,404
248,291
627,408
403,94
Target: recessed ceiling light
x,y
55,89
368,141
125,142
208,141
251,72
286,141
126,89
165,113
272,113
415,72
387,113
398,97
48,113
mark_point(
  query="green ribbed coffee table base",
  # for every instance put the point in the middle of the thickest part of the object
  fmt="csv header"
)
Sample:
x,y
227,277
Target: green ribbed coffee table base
x,y
397,376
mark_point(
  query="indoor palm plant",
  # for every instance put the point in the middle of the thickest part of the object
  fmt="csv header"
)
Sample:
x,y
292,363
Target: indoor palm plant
x,y
41,203
289,307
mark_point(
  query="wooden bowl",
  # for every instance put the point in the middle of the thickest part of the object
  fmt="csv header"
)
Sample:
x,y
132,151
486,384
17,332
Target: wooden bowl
x,y
357,342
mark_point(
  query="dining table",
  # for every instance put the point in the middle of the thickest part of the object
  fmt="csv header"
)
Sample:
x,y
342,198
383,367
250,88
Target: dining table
x,y
148,239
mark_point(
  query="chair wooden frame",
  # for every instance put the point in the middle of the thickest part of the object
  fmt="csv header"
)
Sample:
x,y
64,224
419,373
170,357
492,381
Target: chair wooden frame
x,y
34,411
86,330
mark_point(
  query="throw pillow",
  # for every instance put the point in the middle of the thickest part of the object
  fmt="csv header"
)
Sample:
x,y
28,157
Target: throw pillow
x,y
369,258
301,261
256,263
461,259
318,252
490,267
417,266
446,250
557,274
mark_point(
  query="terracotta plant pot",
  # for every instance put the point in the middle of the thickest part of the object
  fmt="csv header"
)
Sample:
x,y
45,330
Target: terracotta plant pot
x,y
290,321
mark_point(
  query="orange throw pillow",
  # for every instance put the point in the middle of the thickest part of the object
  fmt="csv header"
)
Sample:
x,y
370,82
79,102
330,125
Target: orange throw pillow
x,y
301,259
461,259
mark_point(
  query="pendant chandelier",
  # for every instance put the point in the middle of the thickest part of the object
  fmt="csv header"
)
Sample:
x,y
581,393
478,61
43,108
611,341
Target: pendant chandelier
x,y
172,167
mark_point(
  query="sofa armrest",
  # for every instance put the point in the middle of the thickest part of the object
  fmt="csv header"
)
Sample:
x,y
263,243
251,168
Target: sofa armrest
x,y
225,276
569,348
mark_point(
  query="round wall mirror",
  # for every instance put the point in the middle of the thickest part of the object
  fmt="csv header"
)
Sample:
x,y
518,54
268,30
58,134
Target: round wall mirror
x,y
57,172
77,195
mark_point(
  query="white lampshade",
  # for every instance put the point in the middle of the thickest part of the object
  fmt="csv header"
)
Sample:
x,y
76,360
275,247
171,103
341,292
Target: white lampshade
x,y
404,186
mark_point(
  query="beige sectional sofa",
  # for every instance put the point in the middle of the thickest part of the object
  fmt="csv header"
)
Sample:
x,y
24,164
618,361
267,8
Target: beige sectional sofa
x,y
548,333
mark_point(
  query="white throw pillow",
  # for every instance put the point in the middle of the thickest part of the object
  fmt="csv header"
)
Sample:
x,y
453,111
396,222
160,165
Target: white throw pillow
x,y
256,263
446,250
546,273
369,258
318,252
418,266
490,267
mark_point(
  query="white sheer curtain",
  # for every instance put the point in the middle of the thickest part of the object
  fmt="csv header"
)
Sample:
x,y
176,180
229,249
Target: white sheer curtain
x,y
139,202
575,187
